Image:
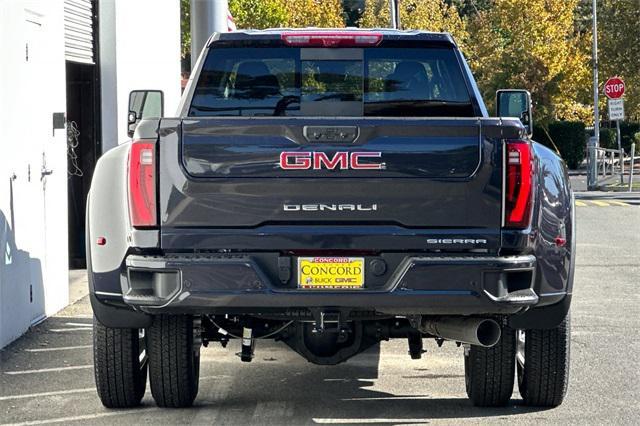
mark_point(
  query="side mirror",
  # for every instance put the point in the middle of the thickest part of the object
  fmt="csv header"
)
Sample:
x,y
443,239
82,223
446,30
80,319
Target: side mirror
x,y
515,103
132,118
143,104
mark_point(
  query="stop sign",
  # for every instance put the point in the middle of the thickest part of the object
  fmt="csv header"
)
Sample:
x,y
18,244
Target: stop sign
x,y
614,88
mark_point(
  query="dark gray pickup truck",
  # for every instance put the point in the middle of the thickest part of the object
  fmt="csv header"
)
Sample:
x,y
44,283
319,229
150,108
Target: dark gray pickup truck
x,y
330,190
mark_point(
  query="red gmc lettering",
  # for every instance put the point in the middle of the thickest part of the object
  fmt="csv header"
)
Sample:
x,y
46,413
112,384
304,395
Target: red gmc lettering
x,y
295,160
355,161
320,158
341,160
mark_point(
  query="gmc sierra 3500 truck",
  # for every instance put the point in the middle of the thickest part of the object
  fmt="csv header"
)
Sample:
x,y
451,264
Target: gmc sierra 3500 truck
x,y
330,190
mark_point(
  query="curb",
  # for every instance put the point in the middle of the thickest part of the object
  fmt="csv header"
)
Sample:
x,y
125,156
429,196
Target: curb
x,y
594,195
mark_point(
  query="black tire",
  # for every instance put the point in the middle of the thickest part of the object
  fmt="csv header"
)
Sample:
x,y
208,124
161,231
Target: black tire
x,y
543,373
490,372
174,361
121,377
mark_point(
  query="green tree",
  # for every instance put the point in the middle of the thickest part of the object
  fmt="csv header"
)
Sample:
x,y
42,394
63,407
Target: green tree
x,y
185,33
428,15
469,8
314,13
619,48
258,14
534,45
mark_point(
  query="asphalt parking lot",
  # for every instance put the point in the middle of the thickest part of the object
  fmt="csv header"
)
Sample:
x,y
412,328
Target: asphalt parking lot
x,y
47,377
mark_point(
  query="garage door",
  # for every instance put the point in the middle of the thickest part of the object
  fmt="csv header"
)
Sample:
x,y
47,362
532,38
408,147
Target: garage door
x,y
78,31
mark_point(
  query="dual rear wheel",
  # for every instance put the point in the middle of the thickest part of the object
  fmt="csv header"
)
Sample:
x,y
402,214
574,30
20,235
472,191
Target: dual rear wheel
x,y
540,358
121,362
119,365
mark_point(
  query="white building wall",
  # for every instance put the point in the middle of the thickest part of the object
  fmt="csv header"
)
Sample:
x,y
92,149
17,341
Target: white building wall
x,y
139,49
33,210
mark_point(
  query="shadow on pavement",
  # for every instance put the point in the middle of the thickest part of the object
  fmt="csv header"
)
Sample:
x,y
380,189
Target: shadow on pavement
x,y
298,392
278,388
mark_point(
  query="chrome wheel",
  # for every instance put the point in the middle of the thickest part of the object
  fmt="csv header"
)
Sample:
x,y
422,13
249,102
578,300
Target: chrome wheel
x,y
142,349
520,350
520,341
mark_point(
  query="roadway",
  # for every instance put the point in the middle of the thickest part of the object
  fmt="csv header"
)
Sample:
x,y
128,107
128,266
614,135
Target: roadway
x,y
46,376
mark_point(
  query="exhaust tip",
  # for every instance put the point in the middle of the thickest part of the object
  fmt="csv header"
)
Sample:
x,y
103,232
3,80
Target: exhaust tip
x,y
488,333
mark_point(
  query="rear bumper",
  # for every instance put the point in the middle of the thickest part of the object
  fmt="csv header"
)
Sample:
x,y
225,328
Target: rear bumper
x,y
430,285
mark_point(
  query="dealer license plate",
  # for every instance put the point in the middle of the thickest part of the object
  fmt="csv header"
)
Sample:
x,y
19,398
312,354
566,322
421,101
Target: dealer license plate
x,y
332,273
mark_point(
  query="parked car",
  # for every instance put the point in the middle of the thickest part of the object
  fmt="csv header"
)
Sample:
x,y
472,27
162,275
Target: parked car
x,y
331,189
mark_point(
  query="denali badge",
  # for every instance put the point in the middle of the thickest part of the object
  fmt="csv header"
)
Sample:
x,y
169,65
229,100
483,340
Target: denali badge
x,y
341,160
330,207
456,241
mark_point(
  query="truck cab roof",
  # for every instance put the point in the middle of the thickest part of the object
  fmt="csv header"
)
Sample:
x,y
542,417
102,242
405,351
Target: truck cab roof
x,y
387,34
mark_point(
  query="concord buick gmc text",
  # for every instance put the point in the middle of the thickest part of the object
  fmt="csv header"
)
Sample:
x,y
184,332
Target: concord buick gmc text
x,y
330,189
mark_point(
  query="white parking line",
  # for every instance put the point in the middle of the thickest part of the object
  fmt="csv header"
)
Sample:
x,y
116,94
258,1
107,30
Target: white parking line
x,y
72,391
78,324
60,348
62,330
387,398
48,370
62,315
84,417
41,394
370,421
219,376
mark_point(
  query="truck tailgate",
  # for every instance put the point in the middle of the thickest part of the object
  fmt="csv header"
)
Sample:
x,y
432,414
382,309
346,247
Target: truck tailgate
x,y
439,176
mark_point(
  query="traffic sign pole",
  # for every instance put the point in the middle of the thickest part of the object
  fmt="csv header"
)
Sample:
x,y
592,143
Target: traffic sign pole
x,y
614,90
595,141
621,153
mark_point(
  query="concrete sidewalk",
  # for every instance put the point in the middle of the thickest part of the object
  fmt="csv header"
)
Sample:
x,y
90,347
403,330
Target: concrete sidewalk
x,y
579,185
578,180
78,285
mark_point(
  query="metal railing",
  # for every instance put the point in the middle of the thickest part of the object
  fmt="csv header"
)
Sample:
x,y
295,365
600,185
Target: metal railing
x,y
610,163
632,163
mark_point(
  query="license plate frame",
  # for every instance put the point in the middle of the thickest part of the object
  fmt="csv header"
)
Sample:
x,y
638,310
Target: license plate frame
x,y
331,273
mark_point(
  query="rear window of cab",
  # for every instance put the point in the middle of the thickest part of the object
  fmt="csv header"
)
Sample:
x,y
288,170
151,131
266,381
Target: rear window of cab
x,y
289,81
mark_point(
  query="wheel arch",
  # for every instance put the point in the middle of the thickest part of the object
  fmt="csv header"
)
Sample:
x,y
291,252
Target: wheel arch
x,y
107,217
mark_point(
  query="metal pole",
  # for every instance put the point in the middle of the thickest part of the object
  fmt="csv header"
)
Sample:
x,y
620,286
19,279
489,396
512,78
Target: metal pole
x,y
592,171
621,151
592,164
594,60
632,165
394,17
207,17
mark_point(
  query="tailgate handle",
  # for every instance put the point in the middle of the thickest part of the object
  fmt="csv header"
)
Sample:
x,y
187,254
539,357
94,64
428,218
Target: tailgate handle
x,y
331,134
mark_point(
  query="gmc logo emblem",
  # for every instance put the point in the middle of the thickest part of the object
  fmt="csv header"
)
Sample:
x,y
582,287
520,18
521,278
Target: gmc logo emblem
x,y
341,160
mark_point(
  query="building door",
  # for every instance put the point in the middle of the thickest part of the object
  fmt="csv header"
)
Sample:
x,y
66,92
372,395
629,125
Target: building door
x,y
83,117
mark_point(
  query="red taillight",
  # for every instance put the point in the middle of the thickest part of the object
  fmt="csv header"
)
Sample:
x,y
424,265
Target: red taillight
x,y
331,39
142,184
518,185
